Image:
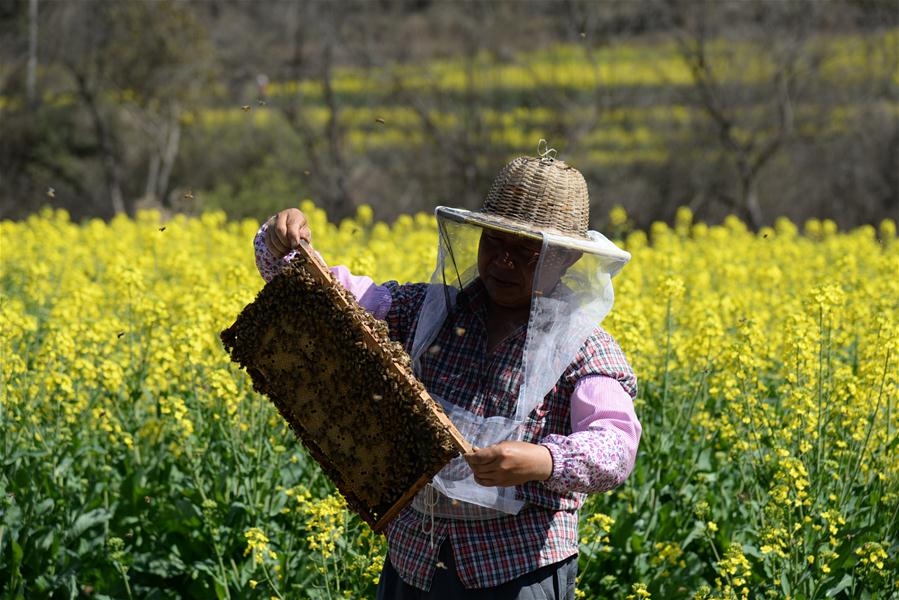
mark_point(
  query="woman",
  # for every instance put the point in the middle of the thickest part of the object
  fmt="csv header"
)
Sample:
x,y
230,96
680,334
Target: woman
x,y
507,337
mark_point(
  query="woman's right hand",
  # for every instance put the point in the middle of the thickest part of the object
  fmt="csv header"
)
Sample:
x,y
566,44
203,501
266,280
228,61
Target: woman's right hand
x,y
285,231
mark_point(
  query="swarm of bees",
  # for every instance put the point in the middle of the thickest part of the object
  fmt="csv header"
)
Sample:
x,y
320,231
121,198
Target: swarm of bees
x,y
346,390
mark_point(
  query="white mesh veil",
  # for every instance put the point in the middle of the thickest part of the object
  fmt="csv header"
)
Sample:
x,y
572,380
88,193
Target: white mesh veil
x,y
566,305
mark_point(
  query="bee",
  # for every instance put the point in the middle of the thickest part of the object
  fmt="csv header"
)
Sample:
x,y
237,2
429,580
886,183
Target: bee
x,y
261,102
119,334
162,228
189,195
380,120
245,107
441,565
306,172
583,34
460,331
51,193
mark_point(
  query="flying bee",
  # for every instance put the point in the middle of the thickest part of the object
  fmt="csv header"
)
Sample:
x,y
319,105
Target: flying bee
x,y
380,120
261,102
245,107
189,195
119,334
51,193
162,228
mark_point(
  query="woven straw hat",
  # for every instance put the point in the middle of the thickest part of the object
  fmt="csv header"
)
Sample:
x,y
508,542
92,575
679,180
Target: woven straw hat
x,y
536,195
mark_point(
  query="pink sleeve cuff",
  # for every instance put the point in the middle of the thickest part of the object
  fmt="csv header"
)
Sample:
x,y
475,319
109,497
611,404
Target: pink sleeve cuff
x,y
600,452
587,461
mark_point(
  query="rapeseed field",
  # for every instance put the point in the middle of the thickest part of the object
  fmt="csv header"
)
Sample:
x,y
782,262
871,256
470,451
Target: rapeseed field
x,y
138,462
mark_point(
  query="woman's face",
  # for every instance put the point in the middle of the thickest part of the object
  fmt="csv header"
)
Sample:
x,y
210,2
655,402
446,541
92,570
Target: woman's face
x,y
506,264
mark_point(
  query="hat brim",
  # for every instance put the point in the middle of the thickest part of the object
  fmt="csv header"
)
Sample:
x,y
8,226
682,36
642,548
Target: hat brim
x,y
596,244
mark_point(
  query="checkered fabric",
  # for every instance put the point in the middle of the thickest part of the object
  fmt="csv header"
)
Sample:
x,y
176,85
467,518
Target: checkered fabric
x,y
459,369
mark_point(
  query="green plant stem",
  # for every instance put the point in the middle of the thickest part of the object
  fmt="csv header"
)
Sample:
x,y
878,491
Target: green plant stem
x,y
215,547
124,573
871,421
271,583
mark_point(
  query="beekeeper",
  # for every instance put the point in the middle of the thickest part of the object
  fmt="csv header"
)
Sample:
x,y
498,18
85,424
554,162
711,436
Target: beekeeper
x,y
507,337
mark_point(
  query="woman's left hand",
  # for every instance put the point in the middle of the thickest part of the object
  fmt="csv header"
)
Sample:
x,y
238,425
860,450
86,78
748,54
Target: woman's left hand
x,y
510,463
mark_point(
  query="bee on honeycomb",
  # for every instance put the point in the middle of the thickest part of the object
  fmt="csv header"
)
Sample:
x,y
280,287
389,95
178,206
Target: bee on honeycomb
x,y
344,388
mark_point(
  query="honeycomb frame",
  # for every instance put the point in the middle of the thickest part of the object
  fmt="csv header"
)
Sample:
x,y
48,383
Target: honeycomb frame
x,y
311,348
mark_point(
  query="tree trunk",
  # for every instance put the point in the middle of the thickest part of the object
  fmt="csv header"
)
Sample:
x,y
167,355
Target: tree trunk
x,y
110,163
751,203
31,75
152,177
341,197
169,156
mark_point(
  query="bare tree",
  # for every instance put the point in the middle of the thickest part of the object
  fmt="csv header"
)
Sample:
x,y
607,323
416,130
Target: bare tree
x,y
752,120
133,65
314,31
459,156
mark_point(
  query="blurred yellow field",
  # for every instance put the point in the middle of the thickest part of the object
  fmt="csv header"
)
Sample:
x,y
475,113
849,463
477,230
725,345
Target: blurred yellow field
x,y
138,459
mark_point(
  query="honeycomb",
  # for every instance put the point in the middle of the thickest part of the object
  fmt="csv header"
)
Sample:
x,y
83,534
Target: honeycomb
x,y
346,390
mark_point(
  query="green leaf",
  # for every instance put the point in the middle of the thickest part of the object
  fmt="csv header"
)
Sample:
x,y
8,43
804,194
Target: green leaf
x,y
785,586
43,506
893,442
17,554
88,520
844,583
63,467
751,550
220,591
46,541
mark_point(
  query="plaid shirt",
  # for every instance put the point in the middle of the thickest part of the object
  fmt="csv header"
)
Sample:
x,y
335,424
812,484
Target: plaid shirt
x,y
596,457
494,551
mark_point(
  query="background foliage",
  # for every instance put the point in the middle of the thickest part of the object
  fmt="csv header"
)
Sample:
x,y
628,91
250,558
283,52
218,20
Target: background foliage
x,y
757,108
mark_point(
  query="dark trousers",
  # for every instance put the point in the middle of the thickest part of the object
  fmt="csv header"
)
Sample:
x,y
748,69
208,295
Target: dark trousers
x,y
552,582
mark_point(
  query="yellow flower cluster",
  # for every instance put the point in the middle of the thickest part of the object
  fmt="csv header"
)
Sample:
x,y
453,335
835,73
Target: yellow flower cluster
x,y
326,523
872,554
667,553
595,531
639,592
258,546
736,571
773,352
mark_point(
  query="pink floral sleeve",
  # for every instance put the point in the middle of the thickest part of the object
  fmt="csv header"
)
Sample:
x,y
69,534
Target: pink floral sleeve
x,y
374,298
600,452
